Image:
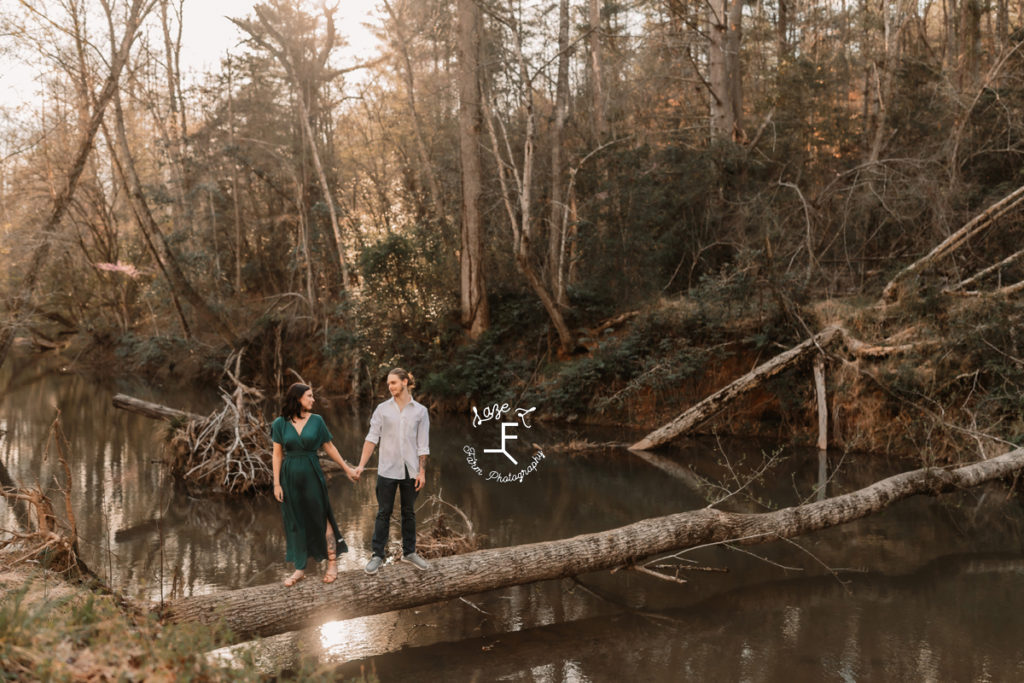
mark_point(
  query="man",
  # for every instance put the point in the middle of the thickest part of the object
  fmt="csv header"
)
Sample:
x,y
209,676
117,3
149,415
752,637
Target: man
x,y
402,428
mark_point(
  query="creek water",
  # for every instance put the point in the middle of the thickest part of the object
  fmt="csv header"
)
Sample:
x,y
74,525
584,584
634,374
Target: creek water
x,y
929,589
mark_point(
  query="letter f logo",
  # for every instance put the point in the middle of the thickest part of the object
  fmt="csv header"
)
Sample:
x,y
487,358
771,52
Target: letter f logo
x,y
505,436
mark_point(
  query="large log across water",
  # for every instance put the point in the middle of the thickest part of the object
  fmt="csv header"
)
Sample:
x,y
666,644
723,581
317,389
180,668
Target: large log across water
x,y
272,609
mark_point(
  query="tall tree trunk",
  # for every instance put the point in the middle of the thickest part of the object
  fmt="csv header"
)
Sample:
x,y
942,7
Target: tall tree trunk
x,y
472,285
136,13
970,40
598,107
175,124
268,610
559,204
782,32
1002,24
724,74
234,180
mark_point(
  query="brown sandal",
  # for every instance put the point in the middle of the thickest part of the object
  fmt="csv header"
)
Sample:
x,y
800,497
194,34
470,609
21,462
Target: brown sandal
x,y
332,563
294,578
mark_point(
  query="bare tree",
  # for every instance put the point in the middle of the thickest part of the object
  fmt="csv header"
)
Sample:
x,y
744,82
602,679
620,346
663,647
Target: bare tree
x,y
121,48
516,179
307,74
559,204
598,106
154,237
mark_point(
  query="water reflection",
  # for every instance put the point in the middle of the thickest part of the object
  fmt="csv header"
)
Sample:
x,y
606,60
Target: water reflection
x,y
874,627
839,616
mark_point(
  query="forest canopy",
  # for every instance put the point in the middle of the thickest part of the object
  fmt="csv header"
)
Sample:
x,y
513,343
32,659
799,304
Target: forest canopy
x,y
495,182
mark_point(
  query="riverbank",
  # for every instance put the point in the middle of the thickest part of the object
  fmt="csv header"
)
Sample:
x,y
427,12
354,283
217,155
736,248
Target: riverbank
x,y
928,375
53,629
154,541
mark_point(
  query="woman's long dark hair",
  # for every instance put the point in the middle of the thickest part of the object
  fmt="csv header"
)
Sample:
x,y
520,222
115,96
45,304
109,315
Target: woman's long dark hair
x,y
290,407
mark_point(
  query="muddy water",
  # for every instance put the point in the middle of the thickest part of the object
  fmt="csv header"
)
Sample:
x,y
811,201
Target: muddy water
x,y
928,590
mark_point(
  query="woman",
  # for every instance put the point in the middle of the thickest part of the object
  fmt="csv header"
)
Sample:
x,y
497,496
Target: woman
x,y
300,486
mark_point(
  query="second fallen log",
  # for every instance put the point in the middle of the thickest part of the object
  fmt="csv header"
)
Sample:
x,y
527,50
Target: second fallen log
x,y
149,409
708,407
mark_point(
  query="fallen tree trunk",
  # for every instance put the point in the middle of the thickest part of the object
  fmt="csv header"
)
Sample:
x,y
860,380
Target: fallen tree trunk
x,y
153,410
272,609
974,226
718,400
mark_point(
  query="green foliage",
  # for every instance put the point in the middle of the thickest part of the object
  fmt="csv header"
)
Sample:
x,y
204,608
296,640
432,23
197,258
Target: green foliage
x,y
480,373
650,231
656,354
497,367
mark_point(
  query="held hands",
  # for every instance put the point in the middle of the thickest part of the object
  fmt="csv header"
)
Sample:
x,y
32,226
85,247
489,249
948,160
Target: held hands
x,y
353,474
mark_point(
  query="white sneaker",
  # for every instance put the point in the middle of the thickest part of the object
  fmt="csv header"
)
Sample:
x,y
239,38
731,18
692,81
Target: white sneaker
x,y
416,561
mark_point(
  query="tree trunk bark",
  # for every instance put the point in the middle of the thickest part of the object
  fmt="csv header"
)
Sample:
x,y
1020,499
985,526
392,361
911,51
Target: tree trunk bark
x,y
724,78
63,199
271,609
822,400
472,287
556,220
597,105
718,400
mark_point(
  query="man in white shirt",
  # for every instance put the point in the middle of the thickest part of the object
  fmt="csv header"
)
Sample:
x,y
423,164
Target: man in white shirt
x,y
402,428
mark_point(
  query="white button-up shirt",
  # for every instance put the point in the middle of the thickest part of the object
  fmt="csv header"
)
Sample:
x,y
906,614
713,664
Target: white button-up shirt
x,y
403,436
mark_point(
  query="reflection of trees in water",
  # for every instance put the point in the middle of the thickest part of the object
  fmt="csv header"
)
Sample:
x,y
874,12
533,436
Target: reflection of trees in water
x,y
219,542
958,618
118,475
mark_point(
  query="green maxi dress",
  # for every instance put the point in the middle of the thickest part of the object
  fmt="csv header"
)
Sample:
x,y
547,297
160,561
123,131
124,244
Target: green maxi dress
x,y
306,508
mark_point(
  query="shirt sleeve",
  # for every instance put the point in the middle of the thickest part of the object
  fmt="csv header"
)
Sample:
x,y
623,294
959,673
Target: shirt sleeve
x,y
423,435
373,436
275,431
325,433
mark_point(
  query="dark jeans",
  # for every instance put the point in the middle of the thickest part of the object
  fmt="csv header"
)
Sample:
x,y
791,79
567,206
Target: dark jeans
x,y
386,504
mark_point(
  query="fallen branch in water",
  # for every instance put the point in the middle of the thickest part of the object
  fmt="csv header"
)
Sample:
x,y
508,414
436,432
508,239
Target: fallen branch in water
x,y
53,543
437,537
230,449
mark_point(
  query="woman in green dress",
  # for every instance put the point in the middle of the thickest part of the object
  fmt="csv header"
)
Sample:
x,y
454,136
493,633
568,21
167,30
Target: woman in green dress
x,y
300,486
